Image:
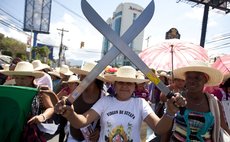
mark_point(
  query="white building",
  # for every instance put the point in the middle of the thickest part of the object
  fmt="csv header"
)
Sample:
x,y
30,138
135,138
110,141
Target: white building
x,y
122,19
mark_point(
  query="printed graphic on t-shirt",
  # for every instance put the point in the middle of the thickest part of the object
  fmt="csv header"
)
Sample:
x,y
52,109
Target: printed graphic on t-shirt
x,y
119,133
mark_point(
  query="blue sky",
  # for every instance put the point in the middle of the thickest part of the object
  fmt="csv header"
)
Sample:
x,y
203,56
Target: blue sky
x,y
168,14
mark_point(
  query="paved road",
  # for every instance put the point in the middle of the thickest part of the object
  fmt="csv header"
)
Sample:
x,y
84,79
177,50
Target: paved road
x,y
54,139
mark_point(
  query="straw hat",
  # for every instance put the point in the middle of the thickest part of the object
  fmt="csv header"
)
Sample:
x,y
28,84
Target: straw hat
x,y
55,73
38,65
5,67
125,74
72,79
25,69
176,76
215,76
163,73
64,69
86,68
140,75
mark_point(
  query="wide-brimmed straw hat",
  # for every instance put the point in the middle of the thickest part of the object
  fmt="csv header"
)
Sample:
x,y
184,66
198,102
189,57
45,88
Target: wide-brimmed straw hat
x,y
72,79
164,74
140,75
86,68
215,77
176,76
64,69
55,73
38,65
24,69
125,74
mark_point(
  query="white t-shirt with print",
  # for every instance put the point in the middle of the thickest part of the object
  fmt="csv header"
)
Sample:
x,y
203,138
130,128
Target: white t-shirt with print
x,y
121,120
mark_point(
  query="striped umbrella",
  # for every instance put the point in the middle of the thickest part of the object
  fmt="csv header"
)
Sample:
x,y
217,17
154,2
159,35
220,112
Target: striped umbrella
x,y
171,54
222,63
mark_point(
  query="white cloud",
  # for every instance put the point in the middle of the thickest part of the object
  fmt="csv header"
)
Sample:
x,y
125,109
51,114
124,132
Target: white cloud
x,y
77,32
14,34
195,13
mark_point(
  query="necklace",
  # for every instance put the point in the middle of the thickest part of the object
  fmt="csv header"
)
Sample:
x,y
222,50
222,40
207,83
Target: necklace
x,y
197,104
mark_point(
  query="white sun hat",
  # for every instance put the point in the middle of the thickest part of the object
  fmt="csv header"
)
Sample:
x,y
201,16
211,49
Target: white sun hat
x,y
24,69
215,77
64,69
140,75
55,73
72,79
125,74
6,67
86,68
38,65
163,73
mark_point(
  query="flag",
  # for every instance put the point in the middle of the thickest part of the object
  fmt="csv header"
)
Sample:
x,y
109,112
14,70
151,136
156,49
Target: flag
x,y
15,105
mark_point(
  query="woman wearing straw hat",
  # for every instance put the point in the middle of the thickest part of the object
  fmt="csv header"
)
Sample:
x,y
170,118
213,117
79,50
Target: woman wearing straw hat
x,y
118,119
88,98
56,80
72,83
46,79
24,75
203,117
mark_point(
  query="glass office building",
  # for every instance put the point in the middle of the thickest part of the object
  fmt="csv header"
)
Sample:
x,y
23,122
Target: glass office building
x,y
121,20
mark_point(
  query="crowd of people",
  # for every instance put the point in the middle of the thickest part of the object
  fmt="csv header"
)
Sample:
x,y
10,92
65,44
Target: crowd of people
x,y
114,106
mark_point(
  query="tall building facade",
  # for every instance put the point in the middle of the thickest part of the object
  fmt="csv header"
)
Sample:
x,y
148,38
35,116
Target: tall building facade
x,y
121,20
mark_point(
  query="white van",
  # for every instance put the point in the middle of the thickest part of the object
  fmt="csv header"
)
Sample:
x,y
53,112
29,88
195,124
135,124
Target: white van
x,y
4,59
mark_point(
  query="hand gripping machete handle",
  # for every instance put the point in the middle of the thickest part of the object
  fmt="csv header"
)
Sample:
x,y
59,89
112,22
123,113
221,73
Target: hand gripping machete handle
x,y
169,96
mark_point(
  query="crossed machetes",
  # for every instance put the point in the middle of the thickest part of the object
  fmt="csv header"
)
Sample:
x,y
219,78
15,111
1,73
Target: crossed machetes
x,y
120,45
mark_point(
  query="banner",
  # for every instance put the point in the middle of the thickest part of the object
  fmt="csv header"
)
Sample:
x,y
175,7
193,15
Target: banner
x,y
15,104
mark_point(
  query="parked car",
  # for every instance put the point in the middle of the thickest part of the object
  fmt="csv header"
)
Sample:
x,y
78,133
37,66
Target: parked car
x,y
4,59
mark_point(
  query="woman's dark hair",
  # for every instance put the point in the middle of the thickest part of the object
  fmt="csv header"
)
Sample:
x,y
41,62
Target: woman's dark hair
x,y
99,84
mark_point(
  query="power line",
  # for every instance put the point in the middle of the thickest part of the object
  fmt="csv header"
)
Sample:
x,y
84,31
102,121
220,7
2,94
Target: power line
x,y
10,15
220,46
10,21
12,26
78,15
217,40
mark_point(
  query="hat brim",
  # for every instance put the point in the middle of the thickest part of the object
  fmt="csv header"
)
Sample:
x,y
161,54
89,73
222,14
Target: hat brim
x,y
226,76
67,73
41,68
83,72
215,76
55,74
114,78
36,74
75,81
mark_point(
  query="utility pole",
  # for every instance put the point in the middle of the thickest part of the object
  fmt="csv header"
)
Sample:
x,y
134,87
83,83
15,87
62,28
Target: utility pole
x,y
61,46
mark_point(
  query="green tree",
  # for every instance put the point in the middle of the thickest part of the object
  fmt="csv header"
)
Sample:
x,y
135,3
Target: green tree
x,y
12,45
8,53
42,53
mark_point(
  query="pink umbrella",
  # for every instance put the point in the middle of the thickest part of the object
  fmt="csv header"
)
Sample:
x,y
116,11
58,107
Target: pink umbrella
x,y
223,64
171,54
